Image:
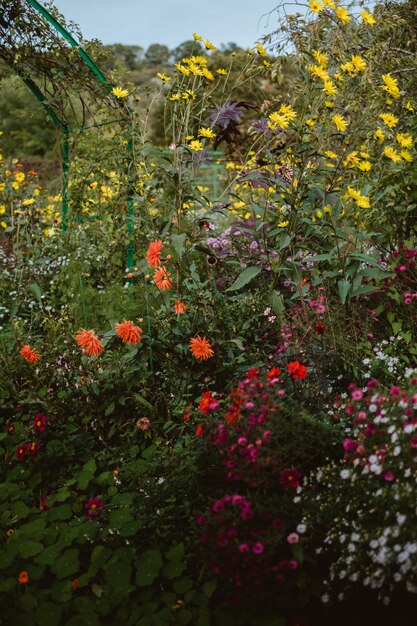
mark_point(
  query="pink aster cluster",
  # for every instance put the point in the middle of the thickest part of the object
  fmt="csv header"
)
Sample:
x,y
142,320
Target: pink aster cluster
x,y
245,546
384,438
243,439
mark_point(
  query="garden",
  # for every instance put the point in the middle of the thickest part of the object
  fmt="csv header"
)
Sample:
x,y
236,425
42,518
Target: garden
x,y
208,309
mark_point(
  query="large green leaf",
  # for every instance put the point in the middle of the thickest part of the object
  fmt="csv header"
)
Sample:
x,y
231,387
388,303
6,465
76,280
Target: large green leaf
x,y
148,568
244,278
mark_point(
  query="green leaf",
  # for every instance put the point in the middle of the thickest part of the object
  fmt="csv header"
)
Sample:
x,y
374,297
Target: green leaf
x,y
48,614
343,286
109,409
29,548
119,517
149,565
244,278
64,511
178,242
67,564
173,569
176,553
29,602
277,303
35,290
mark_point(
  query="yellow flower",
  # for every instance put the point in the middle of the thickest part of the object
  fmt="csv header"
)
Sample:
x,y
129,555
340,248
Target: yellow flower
x,y
389,119
2,209
175,96
358,62
316,6
392,154
409,106
20,177
329,104
406,155
119,92
338,76
365,166
340,122
15,185
206,132
3,224
379,134
391,85
261,50
343,15
208,45
319,71
330,154
286,109
283,224
221,71
329,3
188,95
28,202
163,77
207,74
195,145
197,37
321,58
368,18
183,69
329,88
404,139
362,201
311,123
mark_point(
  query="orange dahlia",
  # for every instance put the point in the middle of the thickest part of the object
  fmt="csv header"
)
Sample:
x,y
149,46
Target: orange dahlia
x,y
129,333
89,342
179,307
200,348
23,577
153,256
30,355
162,279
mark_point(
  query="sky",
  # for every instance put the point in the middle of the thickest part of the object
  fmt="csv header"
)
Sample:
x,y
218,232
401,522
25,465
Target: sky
x,y
170,22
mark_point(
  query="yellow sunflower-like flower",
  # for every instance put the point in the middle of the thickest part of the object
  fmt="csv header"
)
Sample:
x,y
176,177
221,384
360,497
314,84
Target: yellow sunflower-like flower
x,y
340,122
389,119
119,92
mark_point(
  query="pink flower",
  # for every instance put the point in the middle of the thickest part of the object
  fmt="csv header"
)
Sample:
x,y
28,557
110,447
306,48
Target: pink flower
x,y
350,445
258,548
293,538
357,394
389,476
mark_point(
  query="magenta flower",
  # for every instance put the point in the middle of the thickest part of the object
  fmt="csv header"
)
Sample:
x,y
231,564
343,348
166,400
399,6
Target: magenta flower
x,y
258,548
94,506
389,476
39,423
290,478
293,538
21,451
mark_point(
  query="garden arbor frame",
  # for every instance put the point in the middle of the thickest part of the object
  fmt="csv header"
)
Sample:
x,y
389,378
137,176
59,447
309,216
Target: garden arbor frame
x,y
36,43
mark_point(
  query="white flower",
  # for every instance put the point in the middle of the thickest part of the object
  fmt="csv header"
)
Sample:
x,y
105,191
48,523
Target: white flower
x,y
301,528
344,474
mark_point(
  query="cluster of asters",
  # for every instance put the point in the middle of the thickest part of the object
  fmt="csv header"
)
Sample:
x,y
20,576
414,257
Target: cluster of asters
x,y
243,439
30,450
245,547
385,431
241,240
370,494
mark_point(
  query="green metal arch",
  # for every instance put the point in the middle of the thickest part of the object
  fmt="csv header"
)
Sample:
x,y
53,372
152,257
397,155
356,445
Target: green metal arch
x,y
65,130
